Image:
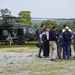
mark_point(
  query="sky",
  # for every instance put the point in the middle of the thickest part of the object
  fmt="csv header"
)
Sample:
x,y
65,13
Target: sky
x,y
41,8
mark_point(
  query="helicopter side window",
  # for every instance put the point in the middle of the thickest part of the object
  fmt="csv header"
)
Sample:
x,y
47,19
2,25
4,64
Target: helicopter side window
x,y
31,30
5,32
1,21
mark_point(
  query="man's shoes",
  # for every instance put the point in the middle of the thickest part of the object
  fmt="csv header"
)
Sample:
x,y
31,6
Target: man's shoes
x,y
40,56
53,59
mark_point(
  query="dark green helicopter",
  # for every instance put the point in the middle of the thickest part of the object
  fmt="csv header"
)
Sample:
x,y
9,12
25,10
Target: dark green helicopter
x,y
17,32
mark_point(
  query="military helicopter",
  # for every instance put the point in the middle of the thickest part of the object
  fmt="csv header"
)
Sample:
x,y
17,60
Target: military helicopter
x,y
18,32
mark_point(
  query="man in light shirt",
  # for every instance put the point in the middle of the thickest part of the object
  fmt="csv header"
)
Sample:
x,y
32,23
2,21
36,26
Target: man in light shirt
x,y
65,28
67,35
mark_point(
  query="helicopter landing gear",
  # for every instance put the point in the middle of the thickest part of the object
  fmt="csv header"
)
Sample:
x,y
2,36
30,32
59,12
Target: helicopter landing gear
x,y
19,41
9,41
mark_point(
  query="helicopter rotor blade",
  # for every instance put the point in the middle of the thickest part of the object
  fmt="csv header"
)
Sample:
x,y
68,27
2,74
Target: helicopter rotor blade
x,y
10,16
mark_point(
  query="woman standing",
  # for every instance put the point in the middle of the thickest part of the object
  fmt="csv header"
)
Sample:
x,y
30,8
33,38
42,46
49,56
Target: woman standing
x,y
44,37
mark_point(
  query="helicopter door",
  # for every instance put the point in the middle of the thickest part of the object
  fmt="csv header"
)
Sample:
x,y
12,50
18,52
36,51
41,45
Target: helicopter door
x,y
20,32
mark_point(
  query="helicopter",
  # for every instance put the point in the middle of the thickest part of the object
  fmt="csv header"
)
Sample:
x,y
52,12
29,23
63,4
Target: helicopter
x,y
17,32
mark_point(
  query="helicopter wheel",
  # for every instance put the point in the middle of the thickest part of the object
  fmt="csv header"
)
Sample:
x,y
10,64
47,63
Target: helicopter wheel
x,y
15,42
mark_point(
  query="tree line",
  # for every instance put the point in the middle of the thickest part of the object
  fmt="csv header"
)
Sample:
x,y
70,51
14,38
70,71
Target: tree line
x,y
24,17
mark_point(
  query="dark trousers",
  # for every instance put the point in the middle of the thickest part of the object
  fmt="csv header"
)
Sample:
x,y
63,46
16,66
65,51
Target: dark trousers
x,y
59,50
46,48
41,48
66,51
70,51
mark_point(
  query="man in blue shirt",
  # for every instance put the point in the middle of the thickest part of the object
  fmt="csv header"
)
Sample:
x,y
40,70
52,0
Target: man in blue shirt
x,y
66,35
74,37
41,48
52,39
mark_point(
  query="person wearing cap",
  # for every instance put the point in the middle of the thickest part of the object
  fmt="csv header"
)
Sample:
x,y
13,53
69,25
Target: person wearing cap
x,y
66,35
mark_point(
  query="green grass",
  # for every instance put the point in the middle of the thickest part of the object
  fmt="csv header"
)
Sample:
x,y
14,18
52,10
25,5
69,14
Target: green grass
x,y
40,68
19,48
12,46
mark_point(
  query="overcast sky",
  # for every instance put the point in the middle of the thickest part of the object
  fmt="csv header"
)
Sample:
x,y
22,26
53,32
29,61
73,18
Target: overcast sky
x,y
41,8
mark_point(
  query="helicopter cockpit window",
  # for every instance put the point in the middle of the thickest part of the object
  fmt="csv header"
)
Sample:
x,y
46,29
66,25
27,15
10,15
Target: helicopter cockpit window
x,y
5,32
31,30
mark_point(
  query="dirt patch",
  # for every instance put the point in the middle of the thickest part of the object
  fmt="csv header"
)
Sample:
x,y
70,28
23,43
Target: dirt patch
x,y
12,63
11,58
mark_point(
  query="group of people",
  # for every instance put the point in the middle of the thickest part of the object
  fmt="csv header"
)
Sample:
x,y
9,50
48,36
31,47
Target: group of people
x,y
51,42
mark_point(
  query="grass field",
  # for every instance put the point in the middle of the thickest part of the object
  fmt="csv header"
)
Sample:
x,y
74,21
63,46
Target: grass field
x,y
23,60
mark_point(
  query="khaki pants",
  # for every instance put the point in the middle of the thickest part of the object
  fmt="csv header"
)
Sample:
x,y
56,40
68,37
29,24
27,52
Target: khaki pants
x,y
53,49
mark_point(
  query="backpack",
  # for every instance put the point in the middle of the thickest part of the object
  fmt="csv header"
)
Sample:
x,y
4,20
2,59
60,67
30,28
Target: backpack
x,y
44,37
66,36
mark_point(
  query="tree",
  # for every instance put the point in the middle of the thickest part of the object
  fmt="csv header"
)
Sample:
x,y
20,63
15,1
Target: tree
x,y
49,23
60,26
5,11
70,24
25,17
36,26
